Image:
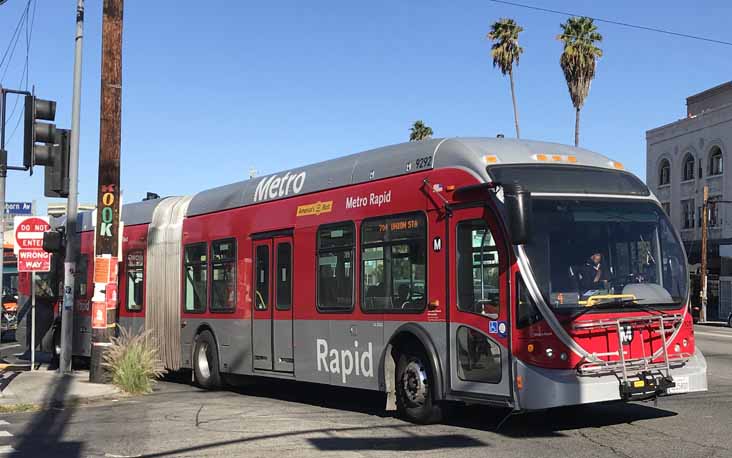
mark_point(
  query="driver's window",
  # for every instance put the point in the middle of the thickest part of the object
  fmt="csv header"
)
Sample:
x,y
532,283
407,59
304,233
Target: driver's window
x,y
477,268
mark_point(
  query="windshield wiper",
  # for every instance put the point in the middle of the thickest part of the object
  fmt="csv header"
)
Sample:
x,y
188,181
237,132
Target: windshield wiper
x,y
614,303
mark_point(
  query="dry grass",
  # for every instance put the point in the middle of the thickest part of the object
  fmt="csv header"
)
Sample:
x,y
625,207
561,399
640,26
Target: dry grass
x,y
133,361
16,408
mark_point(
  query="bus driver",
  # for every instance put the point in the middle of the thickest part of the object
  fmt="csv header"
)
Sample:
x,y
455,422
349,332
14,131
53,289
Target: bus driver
x,y
594,274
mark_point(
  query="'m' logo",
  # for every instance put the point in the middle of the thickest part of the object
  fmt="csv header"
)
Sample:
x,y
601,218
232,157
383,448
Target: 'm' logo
x,y
626,334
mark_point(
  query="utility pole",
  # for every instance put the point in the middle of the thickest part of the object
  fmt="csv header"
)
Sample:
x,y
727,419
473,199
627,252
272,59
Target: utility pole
x,y
67,313
104,302
703,279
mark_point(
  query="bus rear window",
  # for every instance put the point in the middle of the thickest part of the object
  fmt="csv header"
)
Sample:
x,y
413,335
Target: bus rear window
x,y
569,179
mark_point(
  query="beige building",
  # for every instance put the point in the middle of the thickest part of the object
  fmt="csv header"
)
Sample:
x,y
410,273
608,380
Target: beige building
x,y
681,158
59,209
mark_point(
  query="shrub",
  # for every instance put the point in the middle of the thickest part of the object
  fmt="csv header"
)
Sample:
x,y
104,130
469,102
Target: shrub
x,y
133,361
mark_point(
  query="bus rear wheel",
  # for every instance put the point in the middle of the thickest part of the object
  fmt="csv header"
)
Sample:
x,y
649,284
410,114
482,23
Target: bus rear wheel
x,y
414,381
206,362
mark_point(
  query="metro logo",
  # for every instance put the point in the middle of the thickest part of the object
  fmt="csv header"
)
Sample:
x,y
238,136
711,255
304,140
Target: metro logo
x,y
274,186
344,362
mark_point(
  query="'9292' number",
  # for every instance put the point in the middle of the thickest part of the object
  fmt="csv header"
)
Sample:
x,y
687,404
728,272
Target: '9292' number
x,y
423,162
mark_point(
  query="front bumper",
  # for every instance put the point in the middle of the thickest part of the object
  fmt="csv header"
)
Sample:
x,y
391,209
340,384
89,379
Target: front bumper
x,y
547,388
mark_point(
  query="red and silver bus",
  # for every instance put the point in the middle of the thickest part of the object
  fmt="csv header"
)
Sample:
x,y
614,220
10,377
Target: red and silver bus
x,y
521,274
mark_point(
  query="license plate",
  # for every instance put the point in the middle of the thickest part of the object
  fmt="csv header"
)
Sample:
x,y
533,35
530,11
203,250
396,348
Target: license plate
x,y
682,385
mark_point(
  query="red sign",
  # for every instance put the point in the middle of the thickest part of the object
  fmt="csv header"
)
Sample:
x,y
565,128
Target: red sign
x,y
99,315
29,244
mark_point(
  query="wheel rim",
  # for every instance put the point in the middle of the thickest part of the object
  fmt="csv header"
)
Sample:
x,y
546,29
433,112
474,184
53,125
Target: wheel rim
x,y
203,366
414,383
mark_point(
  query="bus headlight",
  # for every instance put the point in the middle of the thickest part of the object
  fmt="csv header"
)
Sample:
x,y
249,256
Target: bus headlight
x,y
685,342
549,352
677,348
563,356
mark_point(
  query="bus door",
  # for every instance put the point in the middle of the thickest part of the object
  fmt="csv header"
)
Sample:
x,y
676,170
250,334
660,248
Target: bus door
x,y
272,302
479,305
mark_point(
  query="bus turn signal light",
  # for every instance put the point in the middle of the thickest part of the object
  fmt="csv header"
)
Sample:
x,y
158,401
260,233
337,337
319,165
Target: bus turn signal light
x,y
530,348
519,382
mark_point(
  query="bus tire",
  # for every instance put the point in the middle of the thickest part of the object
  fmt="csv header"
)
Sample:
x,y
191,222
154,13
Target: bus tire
x,y
206,362
414,388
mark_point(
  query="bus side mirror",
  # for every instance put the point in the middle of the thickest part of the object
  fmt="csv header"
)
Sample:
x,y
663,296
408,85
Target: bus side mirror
x,y
518,207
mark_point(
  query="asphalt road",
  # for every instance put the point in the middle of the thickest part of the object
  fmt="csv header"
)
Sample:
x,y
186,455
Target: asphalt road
x,y
284,419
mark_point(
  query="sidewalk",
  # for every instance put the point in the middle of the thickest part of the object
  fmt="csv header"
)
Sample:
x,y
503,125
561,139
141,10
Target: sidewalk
x,y
717,324
46,387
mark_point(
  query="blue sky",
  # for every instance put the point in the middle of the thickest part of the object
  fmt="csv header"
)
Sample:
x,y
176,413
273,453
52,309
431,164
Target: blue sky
x,y
212,89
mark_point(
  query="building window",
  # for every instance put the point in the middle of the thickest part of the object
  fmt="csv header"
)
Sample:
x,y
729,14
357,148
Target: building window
x,y
713,212
664,173
196,278
135,280
478,268
393,257
223,275
666,208
688,173
335,267
687,209
716,165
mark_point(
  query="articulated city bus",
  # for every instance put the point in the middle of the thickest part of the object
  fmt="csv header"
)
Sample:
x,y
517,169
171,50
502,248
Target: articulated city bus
x,y
512,273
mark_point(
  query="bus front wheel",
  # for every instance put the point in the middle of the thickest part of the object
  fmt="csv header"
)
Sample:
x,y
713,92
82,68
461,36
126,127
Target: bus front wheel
x,y
206,362
414,381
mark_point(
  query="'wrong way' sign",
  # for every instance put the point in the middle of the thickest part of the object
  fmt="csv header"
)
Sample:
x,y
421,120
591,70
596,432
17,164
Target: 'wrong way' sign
x,y
29,232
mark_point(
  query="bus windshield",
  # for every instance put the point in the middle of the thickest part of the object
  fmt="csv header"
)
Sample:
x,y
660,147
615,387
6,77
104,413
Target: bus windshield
x,y
589,252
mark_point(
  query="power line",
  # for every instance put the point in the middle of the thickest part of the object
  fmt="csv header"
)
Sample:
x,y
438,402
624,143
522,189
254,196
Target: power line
x,y
14,40
26,68
622,24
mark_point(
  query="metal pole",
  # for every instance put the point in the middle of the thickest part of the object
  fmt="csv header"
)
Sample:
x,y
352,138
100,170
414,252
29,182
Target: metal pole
x,y
108,199
3,176
67,312
33,320
703,292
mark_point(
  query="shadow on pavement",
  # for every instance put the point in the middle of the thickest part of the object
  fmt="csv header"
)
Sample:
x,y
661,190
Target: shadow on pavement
x,y
43,435
396,443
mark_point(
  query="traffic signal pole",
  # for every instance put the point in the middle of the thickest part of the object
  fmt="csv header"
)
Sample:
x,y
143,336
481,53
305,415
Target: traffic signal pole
x,y
71,256
104,303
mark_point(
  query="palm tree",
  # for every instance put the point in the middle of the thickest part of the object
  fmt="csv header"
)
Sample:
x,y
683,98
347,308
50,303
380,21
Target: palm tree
x,y
505,53
419,131
579,60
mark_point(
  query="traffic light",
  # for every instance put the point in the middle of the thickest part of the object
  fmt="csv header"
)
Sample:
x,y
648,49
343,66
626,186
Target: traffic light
x,y
38,132
54,241
56,162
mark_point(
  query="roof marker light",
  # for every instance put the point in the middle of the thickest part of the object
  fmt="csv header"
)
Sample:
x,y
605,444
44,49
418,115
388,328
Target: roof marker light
x,y
540,157
491,159
618,165
556,157
572,159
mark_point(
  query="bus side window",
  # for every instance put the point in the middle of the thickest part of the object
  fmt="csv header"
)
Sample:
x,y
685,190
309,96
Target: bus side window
x,y
82,269
478,268
394,265
223,275
196,278
135,280
335,267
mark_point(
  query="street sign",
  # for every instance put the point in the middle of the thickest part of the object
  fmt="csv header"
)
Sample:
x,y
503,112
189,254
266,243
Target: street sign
x,y
19,208
29,243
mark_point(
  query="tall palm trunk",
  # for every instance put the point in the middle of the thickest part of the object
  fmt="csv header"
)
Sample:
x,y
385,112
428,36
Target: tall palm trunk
x,y
576,127
515,107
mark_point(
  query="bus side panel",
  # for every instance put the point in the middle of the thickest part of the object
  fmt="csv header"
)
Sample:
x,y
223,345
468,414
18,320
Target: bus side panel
x,y
233,339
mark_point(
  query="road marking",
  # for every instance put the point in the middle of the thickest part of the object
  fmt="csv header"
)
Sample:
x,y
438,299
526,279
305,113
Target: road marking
x,y
3,422
713,334
5,347
5,434
5,449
